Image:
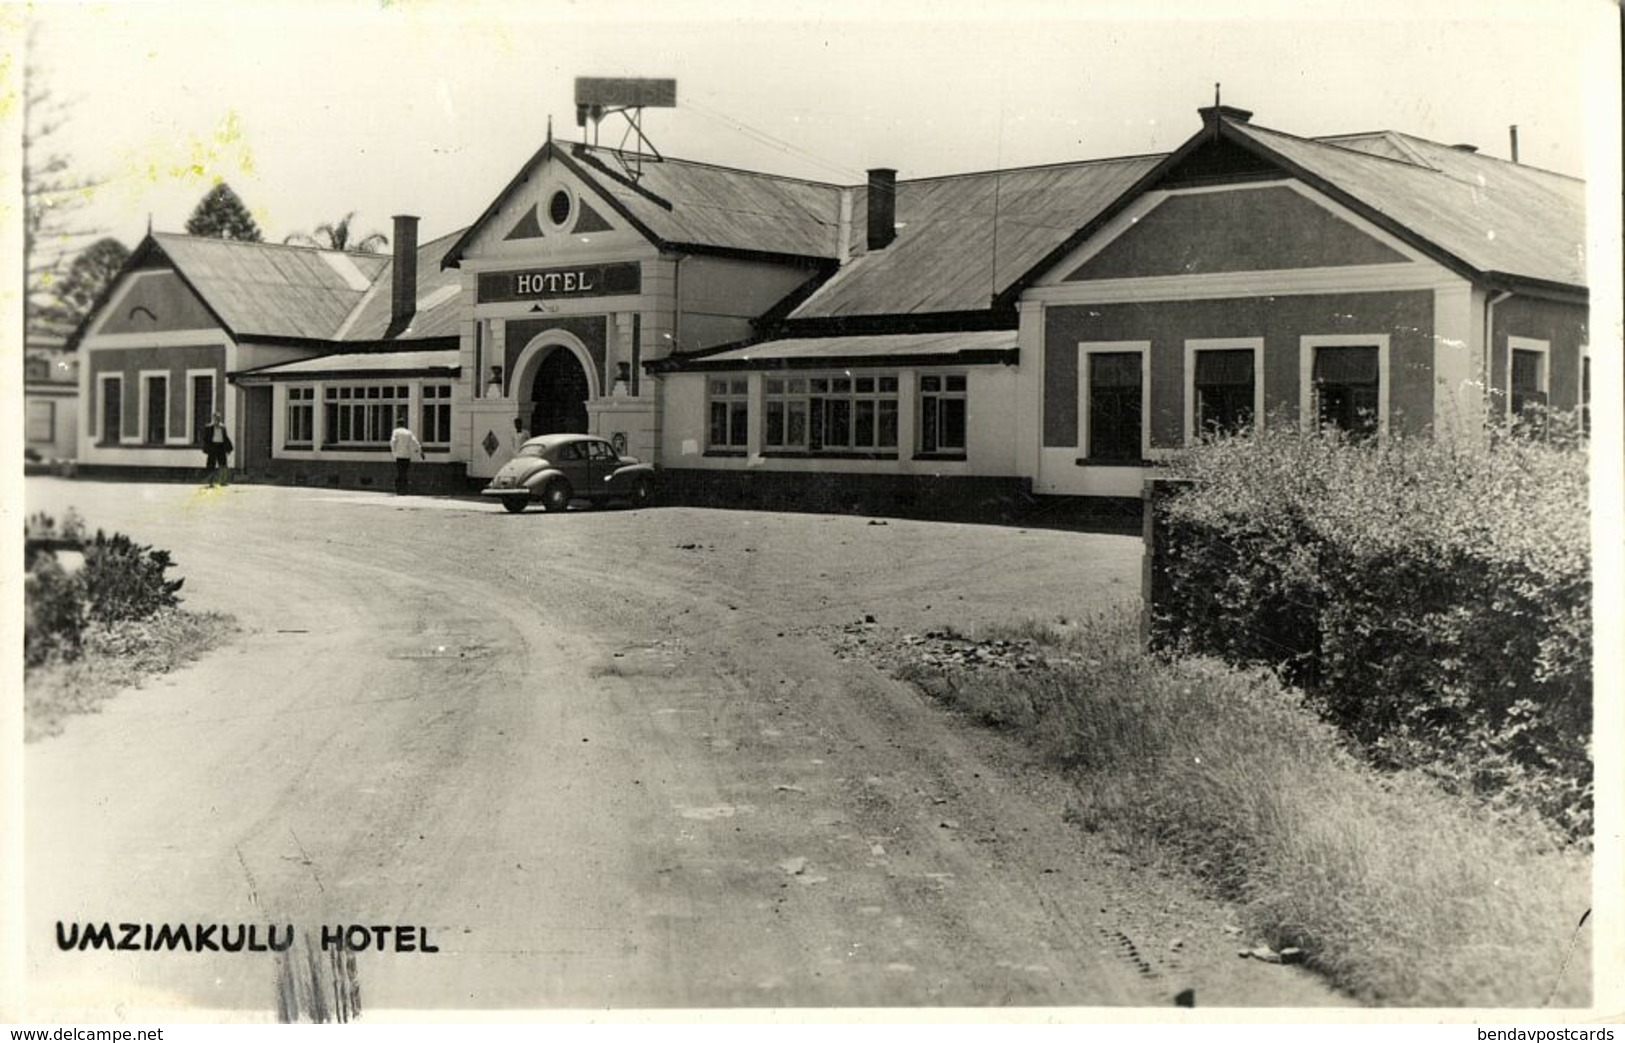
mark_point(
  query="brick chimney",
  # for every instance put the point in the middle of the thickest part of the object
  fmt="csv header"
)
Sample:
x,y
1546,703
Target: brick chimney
x,y
882,207
403,295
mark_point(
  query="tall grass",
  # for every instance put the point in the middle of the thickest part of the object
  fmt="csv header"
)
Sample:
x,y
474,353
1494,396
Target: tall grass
x,y
116,656
1398,892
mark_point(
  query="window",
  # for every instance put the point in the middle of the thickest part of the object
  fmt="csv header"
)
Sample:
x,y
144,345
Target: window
x,y
942,413
559,207
1527,383
155,411
41,420
1114,405
363,416
1343,383
729,408
831,413
1223,389
200,402
435,428
112,411
300,426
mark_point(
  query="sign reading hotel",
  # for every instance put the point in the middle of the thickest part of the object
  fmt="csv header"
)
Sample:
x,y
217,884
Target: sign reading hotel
x,y
590,280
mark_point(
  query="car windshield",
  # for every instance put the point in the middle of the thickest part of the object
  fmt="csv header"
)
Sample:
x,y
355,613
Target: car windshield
x,y
537,451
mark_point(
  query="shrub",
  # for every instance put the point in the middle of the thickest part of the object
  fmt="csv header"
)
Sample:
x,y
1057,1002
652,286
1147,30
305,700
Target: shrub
x,y
1433,596
119,580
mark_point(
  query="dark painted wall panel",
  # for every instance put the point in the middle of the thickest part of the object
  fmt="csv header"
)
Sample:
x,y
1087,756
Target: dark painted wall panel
x,y
129,362
1259,229
1566,327
1406,317
158,302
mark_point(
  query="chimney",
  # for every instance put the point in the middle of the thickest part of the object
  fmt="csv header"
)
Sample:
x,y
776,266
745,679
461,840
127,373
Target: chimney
x,y
403,294
1514,131
882,207
1210,114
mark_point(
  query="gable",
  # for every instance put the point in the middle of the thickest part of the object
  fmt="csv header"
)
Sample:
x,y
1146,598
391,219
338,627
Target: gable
x,y
1269,228
154,300
549,211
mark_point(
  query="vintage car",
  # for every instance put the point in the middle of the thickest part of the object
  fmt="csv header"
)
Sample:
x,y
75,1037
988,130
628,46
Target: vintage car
x,y
557,469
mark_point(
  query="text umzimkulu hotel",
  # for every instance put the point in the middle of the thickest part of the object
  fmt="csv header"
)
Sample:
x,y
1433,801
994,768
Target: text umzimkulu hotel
x,y
237,937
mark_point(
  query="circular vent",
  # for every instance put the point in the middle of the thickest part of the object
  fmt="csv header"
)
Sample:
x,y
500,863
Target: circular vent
x,y
558,208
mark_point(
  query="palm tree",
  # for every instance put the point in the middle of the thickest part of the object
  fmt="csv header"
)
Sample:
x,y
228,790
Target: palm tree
x,y
336,236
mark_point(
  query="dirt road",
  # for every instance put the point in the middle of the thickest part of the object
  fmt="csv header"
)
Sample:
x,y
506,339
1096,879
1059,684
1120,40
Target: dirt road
x,y
601,759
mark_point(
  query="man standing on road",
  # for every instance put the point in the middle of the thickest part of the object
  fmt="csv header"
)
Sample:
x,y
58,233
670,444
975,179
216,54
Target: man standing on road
x,y
520,434
217,452
403,445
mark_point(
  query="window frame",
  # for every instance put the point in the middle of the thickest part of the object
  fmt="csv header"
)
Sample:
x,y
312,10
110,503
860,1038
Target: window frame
x,y
1196,345
147,378
1582,391
1308,400
1540,348
98,413
1086,349
306,403
194,423
939,450
435,395
734,396
346,406
853,397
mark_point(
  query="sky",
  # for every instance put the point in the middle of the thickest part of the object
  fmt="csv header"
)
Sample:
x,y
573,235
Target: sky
x,y
310,110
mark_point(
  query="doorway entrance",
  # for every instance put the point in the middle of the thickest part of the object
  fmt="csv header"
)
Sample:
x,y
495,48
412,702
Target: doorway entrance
x,y
558,395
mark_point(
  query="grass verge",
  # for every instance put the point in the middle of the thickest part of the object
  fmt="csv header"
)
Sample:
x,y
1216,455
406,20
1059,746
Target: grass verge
x,y
114,657
1397,892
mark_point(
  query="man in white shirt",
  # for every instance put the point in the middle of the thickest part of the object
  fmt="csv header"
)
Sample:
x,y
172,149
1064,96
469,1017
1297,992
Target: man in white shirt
x,y
520,434
403,445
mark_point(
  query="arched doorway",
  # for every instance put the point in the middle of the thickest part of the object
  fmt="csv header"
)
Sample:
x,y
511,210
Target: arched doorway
x,y
558,394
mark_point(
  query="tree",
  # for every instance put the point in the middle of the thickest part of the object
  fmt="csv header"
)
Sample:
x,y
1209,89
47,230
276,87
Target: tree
x,y
336,236
222,215
51,197
89,274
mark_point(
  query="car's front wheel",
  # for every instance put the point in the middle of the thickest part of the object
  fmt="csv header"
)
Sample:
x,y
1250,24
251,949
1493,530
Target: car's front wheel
x,y
515,504
558,495
643,493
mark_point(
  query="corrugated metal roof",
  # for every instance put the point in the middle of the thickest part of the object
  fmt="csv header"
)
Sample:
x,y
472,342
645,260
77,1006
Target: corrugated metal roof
x,y
1494,215
264,289
963,239
380,362
721,207
438,313
873,346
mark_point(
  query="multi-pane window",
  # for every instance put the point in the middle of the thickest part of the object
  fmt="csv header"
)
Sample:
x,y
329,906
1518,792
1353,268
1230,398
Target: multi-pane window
x,y
1116,407
435,428
830,413
942,413
300,426
112,412
1527,392
157,401
1347,388
363,415
1223,385
728,404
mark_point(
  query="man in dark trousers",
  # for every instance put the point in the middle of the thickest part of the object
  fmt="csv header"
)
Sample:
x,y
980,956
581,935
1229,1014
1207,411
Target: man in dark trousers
x,y
217,452
403,445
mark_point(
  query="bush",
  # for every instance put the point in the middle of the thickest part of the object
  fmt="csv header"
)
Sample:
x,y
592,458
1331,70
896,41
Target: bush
x,y
120,580
1432,596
